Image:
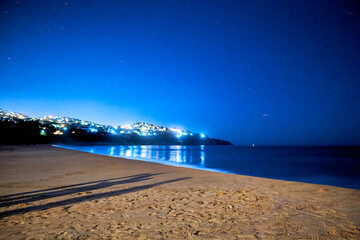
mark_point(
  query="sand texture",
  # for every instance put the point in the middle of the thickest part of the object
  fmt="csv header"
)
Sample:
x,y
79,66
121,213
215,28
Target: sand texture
x,y
53,193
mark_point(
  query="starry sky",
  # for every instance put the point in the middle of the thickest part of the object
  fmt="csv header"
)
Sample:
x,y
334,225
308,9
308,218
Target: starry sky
x,y
252,72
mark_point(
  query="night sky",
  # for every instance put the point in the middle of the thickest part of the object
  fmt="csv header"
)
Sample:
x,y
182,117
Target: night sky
x,y
252,72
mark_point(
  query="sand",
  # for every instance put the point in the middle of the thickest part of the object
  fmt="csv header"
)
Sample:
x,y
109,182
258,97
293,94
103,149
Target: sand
x,y
54,193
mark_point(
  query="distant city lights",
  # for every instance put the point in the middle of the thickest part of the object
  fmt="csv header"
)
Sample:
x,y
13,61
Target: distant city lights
x,y
62,124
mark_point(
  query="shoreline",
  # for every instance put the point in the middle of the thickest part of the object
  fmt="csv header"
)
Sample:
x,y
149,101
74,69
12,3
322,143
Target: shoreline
x,y
186,165
77,194
162,162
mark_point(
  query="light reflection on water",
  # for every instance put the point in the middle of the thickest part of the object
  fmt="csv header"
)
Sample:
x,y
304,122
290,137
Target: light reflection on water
x,y
202,155
337,166
179,154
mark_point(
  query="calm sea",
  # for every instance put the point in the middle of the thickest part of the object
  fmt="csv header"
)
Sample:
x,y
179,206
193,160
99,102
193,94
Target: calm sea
x,y
336,166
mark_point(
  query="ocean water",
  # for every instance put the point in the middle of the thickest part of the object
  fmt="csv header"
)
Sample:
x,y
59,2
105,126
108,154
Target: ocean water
x,y
336,166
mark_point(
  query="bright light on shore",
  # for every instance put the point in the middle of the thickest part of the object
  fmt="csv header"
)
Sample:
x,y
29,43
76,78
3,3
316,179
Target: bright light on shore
x,y
202,135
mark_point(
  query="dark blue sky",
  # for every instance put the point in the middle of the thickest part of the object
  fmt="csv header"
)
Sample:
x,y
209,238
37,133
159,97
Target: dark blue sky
x,y
262,72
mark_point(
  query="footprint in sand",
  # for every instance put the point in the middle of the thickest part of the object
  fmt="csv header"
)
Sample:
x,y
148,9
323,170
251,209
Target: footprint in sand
x,y
84,193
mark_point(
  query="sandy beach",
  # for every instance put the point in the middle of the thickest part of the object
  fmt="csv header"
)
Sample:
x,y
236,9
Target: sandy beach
x,y
52,193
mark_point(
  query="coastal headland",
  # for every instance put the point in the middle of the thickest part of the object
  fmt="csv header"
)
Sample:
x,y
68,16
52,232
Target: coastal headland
x,y
48,193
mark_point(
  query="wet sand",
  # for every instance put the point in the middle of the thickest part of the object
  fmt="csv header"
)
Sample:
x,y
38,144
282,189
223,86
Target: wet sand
x,y
49,193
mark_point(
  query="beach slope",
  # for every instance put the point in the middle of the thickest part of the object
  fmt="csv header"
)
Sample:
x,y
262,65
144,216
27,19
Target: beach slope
x,y
48,192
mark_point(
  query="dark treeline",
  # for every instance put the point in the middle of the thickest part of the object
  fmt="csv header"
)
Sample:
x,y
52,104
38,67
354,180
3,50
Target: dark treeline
x,y
21,133
30,132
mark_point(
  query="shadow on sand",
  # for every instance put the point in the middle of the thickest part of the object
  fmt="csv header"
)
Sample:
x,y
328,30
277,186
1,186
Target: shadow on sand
x,y
6,197
85,188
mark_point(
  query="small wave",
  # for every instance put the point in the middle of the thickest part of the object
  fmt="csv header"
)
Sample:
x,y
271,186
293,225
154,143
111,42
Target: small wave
x,y
164,162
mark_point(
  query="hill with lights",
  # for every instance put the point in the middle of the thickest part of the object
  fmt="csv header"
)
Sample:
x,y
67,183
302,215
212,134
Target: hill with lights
x,y
17,128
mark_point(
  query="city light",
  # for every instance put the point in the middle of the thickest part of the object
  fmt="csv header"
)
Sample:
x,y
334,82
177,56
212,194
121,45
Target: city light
x,y
179,132
63,124
127,127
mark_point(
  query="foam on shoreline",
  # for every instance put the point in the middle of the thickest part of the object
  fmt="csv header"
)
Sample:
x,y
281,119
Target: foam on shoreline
x,y
163,162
